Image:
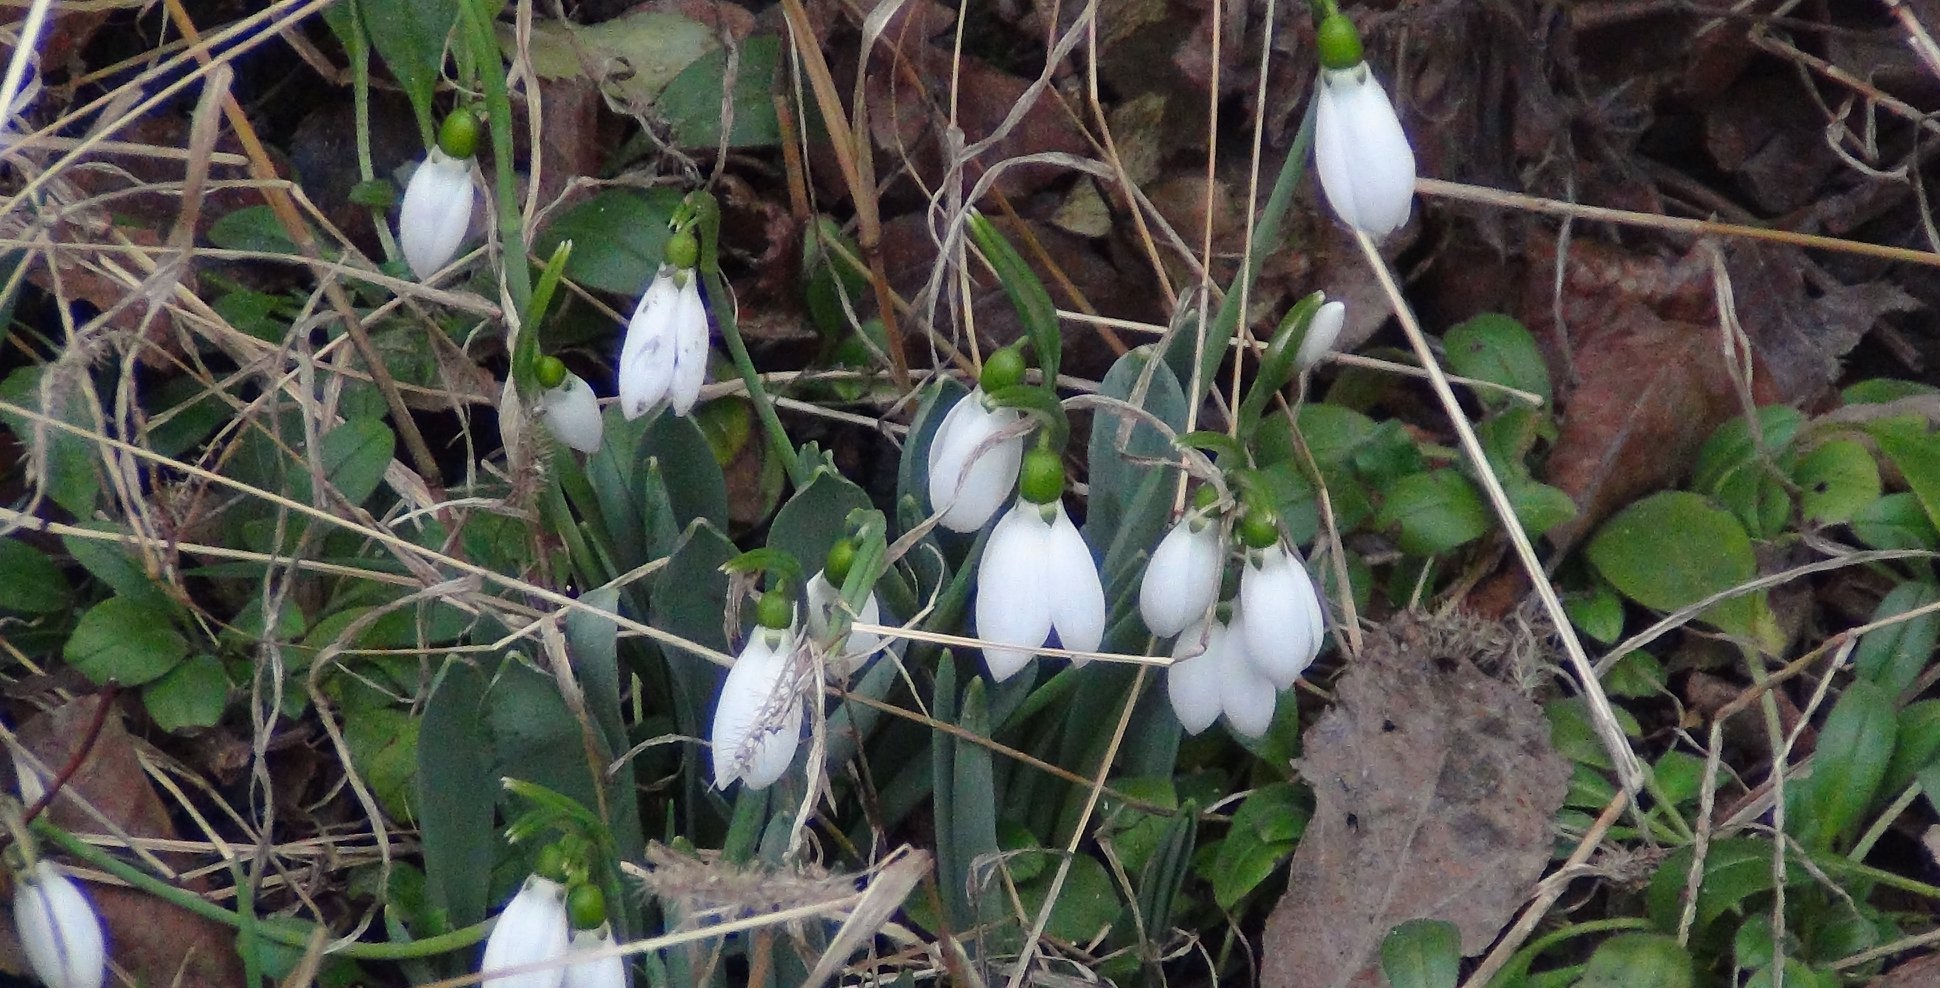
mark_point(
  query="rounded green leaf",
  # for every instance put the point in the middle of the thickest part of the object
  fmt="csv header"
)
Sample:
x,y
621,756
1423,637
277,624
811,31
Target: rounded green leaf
x,y
617,236
1673,549
1435,511
1493,347
1422,953
1596,612
193,694
30,583
1894,656
1638,960
1895,521
126,641
1836,480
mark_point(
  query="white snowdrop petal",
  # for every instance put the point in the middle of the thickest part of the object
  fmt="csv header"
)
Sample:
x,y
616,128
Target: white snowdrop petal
x,y
1246,697
1013,607
437,212
59,929
1322,331
531,929
1366,165
572,412
823,598
968,486
756,727
1192,682
1278,642
647,355
1182,578
690,343
1316,621
1077,595
603,972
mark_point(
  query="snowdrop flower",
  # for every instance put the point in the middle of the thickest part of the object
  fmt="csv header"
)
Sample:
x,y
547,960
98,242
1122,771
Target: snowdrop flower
x,y
602,972
1284,626
1367,168
825,601
1037,576
758,720
1245,696
58,929
1322,330
532,929
664,357
438,200
1181,581
969,481
1194,680
569,407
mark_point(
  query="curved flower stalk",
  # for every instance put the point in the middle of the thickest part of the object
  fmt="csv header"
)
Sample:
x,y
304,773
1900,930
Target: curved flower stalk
x,y
439,199
1181,581
1195,679
532,929
1366,165
1037,576
569,408
758,720
824,601
59,929
1323,330
1284,626
600,972
664,358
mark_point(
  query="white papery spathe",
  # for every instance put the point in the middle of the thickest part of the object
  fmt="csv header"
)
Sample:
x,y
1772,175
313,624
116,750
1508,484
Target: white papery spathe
x,y
1284,627
824,598
969,484
1181,581
437,212
1322,330
1367,167
1246,697
1036,576
532,929
572,412
758,721
664,357
1193,681
59,929
601,972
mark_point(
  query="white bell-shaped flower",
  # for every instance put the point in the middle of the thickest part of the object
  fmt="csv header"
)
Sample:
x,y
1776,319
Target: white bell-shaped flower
x,y
1246,697
664,357
1036,577
1181,581
1194,680
1322,331
1284,626
600,972
1367,167
531,929
824,599
758,721
59,929
437,212
969,481
572,412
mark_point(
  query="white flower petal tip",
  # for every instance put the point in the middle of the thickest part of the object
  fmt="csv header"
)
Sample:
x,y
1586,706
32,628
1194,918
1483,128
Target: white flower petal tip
x,y
437,212
532,929
1322,332
1367,167
663,360
1077,592
758,721
602,972
969,481
824,602
1245,697
1193,682
1284,627
1036,577
1181,581
59,929
572,412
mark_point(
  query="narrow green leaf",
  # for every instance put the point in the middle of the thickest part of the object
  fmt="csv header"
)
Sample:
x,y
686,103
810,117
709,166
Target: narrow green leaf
x,y
1896,655
1917,455
1026,293
455,794
1855,747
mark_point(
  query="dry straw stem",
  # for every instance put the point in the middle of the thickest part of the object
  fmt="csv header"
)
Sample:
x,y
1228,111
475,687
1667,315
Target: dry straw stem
x,y
1629,771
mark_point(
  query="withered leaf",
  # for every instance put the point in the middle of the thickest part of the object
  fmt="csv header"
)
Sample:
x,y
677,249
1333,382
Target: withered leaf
x,y
1434,787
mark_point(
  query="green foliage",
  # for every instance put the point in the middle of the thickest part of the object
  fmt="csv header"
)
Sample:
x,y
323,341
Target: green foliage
x,y
1422,953
1674,549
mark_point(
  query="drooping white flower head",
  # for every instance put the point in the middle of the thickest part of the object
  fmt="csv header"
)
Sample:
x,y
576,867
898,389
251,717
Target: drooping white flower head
x,y
1036,577
1322,330
758,720
664,357
1284,627
437,212
1181,581
970,480
824,600
532,929
1194,680
1246,697
1367,167
601,972
59,929
572,411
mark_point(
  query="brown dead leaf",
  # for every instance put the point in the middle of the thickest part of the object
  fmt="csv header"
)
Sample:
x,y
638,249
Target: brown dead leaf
x,y
1920,972
1434,786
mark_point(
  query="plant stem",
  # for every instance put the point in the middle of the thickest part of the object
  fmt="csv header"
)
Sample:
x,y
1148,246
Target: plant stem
x,y
764,406
511,228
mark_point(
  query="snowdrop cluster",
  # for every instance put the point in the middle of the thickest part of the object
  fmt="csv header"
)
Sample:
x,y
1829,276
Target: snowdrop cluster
x,y
1231,658
1366,165
58,928
552,926
439,199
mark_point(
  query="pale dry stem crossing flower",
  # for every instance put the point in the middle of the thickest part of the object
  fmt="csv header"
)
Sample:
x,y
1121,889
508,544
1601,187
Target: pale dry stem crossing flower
x,y
1036,577
970,472
758,720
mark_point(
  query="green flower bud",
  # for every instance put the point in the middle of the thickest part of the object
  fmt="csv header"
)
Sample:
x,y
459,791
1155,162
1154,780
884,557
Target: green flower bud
x,y
1002,369
1205,497
1259,528
552,863
840,559
586,906
550,371
683,251
775,611
1338,42
458,136
1041,480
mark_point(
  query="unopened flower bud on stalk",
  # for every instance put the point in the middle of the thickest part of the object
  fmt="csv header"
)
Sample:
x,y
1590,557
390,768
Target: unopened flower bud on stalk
x,y
438,201
664,357
58,929
1367,167
1322,332
1037,576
